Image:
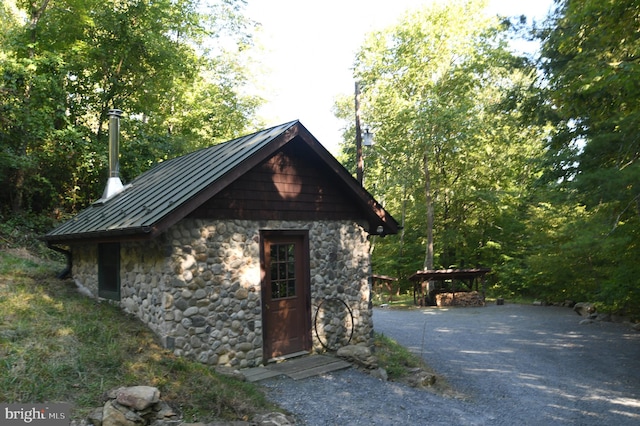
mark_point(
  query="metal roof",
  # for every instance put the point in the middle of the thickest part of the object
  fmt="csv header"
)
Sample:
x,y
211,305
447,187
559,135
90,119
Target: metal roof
x,y
164,194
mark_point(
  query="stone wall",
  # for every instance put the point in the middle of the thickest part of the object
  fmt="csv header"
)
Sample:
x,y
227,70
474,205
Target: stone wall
x,y
198,286
85,267
145,274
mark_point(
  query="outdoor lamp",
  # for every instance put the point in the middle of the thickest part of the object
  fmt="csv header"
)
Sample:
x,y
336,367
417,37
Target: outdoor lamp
x,y
367,137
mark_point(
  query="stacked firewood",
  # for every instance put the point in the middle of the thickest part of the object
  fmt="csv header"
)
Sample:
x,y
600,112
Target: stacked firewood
x,y
472,298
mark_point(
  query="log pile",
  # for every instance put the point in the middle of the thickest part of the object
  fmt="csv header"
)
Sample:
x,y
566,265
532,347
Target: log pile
x,y
472,298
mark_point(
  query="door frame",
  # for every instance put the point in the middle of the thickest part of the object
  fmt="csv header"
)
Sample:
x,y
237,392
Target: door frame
x,y
265,237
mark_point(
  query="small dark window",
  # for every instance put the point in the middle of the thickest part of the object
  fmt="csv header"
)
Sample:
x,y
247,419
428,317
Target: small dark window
x,y
109,271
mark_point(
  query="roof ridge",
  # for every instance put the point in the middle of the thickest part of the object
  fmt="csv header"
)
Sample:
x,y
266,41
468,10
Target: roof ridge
x,y
229,142
221,145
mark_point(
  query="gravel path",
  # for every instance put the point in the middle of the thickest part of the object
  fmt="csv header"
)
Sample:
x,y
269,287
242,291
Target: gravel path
x,y
515,364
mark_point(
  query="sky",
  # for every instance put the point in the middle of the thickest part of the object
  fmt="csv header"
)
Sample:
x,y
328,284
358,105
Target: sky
x,y
308,49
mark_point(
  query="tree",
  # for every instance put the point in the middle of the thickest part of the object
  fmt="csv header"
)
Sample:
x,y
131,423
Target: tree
x,y
70,61
442,92
591,59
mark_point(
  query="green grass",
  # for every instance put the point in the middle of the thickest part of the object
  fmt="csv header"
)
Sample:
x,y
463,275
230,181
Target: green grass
x,y
403,300
395,358
56,345
402,365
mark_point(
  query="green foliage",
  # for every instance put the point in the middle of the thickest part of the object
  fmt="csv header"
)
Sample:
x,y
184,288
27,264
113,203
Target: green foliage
x,y
532,171
20,232
71,60
56,345
590,57
443,95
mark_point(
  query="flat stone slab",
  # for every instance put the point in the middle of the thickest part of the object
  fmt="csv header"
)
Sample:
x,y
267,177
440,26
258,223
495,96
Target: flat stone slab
x,y
297,368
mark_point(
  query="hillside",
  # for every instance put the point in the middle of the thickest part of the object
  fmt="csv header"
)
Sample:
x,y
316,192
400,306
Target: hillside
x,y
57,345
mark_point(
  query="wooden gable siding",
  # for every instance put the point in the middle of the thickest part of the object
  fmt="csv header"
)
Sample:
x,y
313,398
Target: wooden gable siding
x,y
290,185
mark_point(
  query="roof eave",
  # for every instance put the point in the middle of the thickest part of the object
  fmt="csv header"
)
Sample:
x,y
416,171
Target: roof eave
x,y
138,233
376,214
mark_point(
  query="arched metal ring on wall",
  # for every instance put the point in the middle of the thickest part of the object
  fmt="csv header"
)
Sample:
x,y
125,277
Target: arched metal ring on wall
x,y
325,302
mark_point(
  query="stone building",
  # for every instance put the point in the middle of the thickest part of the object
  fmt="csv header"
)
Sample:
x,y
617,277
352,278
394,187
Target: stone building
x,y
236,254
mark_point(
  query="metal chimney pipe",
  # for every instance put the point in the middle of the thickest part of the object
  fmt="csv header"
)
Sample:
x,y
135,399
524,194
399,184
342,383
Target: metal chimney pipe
x,y
114,142
114,184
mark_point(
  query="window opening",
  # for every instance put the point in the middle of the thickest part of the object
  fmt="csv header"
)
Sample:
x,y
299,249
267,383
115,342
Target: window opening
x,y
283,270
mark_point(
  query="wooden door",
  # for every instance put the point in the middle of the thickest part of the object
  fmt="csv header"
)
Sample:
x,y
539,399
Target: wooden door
x,y
286,303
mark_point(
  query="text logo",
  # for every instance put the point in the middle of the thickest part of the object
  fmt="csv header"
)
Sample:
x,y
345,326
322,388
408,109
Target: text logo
x,y
35,414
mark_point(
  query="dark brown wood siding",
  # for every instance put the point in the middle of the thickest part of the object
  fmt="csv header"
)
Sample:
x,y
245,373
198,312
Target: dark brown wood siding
x,y
288,186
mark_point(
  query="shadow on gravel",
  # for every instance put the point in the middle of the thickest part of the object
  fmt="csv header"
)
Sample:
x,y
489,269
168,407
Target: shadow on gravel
x,y
527,364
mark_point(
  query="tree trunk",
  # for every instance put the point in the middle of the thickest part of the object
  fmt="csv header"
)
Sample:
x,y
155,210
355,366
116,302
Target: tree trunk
x,y
428,258
18,196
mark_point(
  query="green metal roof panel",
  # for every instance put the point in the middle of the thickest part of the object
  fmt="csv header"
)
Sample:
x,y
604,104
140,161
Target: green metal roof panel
x,y
156,193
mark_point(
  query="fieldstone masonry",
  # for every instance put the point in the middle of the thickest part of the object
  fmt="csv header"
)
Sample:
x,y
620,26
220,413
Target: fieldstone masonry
x,y
199,286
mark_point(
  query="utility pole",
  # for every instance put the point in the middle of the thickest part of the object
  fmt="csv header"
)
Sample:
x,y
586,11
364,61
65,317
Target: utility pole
x,y
359,159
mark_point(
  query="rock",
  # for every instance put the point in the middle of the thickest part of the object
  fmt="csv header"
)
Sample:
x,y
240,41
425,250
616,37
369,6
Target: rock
x,y
164,411
114,414
230,372
636,326
421,379
584,309
242,293
95,416
167,423
134,406
603,317
112,394
274,419
586,321
359,354
380,373
138,397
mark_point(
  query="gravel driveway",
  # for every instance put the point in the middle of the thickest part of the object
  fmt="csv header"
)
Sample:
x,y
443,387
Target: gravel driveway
x,y
514,364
